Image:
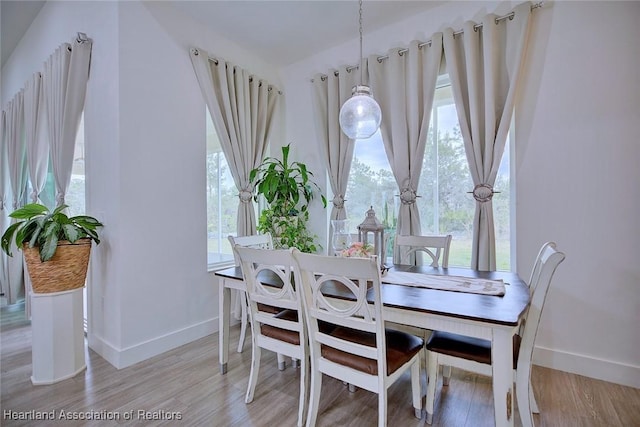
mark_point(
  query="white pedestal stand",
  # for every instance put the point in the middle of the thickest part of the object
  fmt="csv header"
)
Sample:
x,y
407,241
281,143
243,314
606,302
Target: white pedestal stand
x,y
58,336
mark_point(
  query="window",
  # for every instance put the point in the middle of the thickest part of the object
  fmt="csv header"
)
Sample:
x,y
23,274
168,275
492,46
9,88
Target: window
x,y
371,183
75,196
222,201
445,205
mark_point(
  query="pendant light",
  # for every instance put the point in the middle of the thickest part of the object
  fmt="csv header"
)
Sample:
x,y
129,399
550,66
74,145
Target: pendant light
x,y
360,115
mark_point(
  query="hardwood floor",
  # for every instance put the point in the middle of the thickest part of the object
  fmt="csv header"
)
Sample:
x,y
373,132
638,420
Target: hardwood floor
x,y
184,387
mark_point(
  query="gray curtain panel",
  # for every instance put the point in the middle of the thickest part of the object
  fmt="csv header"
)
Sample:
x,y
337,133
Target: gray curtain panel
x,y
330,91
65,84
36,143
243,109
404,86
17,166
484,66
4,212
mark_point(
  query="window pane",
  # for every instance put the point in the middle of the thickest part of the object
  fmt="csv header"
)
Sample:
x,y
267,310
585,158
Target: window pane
x,y
222,200
445,206
502,211
371,183
75,196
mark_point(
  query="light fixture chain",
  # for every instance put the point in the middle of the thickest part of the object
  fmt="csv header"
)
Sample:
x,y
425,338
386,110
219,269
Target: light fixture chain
x,y
361,58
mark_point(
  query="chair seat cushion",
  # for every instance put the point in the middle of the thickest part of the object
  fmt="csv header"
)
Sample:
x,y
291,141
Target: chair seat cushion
x,y
469,348
401,347
269,308
287,335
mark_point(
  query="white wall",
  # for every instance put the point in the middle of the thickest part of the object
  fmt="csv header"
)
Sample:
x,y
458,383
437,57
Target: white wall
x,y
578,179
577,176
149,288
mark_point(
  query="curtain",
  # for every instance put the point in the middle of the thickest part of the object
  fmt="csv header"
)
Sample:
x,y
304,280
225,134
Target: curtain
x,y
404,86
329,93
4,220
17,166
484,66
37,145
243,109
64,85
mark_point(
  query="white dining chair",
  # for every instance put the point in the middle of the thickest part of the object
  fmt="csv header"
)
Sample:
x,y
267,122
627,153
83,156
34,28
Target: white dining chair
x,y
283,333
359,351
474,354
258,241
409,249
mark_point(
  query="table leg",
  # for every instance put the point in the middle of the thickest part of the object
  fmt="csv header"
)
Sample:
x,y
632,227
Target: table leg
x,y
224,301
502,355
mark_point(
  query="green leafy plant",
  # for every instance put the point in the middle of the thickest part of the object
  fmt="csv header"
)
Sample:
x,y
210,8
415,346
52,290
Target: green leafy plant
x,y
37,227
288,189
288,232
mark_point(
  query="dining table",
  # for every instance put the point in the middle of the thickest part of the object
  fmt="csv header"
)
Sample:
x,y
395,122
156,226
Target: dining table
x,y
491,317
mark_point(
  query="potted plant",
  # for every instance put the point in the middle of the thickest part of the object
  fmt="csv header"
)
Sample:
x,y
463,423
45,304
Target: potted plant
x,y
288,189
56,246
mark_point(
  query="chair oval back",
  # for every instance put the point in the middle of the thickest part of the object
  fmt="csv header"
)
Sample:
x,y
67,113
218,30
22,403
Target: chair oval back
x,y
268,276
258,241
407,249
352,276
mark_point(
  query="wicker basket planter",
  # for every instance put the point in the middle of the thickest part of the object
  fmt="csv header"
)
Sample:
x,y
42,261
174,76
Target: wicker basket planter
x,y
67,269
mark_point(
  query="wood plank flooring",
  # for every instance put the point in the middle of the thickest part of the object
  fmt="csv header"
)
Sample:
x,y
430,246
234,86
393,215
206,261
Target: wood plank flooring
x,y
185,383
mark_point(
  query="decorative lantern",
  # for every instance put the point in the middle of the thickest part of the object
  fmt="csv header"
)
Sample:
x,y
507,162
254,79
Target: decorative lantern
x,y
372,231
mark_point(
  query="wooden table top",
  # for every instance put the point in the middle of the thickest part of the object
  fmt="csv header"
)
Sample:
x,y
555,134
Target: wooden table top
x,y
504,310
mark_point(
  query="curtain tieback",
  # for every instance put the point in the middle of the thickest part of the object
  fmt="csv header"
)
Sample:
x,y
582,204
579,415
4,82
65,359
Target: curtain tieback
x,y
1,203
245,195
408,196
338,201
483,193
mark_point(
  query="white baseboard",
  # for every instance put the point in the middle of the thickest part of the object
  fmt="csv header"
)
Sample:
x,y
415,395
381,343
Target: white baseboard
x,y
587,366
122,358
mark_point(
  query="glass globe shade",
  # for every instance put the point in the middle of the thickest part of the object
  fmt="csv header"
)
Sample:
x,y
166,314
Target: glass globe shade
x,y
360,116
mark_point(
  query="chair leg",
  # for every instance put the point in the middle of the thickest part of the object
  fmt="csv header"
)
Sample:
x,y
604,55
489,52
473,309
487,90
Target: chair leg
x,y
446,374
415,388
282,364
243,320
523,390
255,370
382,408
432,375
532,400
314,398
304,387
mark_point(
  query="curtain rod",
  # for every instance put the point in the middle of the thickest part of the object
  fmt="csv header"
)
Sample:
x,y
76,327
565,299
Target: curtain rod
x,y
196,52
401,52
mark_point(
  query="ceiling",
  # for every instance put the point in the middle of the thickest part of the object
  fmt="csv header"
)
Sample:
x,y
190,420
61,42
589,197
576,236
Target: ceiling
x,y
15,18
281,32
